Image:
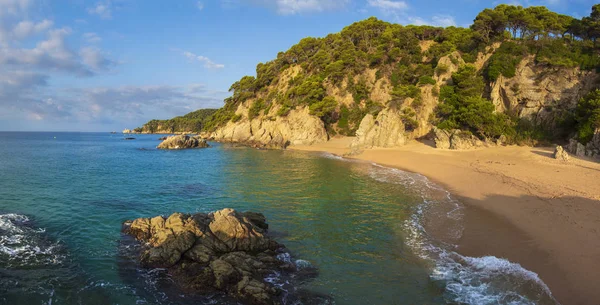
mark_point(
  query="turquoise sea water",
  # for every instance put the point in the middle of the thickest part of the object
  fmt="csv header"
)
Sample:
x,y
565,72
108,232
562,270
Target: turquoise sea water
x,y
63,197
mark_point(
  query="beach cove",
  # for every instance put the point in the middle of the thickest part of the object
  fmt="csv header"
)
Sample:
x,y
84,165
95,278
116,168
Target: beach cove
x,y
521,204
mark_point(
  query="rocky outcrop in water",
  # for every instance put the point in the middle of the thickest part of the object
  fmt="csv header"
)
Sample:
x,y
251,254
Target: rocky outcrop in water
x,y
225,251
183,142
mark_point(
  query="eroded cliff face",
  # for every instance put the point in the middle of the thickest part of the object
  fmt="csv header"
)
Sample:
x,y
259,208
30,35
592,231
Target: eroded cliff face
x,y
537,92
540,93
385,130
298,128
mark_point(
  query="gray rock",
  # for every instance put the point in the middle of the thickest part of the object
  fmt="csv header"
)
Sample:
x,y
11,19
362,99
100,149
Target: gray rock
x,y
580,151
457,140
441,138
561,154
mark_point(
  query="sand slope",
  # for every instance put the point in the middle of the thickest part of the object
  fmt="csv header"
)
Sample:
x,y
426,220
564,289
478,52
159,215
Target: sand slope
x,y
522,205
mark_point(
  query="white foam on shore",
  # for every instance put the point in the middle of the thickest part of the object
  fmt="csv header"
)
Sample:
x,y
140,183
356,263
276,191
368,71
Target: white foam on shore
x,y
329,155
467,280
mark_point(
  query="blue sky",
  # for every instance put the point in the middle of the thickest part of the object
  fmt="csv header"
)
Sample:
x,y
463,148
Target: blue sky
x,y
77,65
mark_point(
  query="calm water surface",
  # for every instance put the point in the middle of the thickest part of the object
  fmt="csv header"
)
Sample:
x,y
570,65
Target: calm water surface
x,y
63,197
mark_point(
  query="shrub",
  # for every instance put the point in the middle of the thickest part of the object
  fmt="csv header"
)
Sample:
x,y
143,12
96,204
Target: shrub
x,y
587,116
505,60
409,119
284,110
426,80
441,69
462,107
324,108
255,109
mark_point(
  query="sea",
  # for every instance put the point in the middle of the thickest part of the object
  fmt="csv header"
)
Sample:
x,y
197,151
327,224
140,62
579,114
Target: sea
x,y
64,197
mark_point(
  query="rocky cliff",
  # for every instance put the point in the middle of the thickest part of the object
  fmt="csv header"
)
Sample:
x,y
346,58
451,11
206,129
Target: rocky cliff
x,y
298,127
386,84
540,93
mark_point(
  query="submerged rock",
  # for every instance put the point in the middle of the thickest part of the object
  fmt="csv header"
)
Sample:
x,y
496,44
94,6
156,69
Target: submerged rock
x,y
183,142
561,154
225,251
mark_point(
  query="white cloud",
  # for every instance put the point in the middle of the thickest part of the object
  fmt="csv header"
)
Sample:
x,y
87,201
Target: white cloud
x,y
13,7
94,58
200,5
92,37
25,29
437,20
102,9
31,52
292,7
387,5
443,20
209,64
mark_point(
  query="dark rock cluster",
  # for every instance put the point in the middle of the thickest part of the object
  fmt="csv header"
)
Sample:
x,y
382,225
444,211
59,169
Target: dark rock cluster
x,y
225,251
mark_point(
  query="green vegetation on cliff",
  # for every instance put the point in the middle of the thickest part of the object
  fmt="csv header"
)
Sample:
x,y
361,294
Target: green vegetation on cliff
x,y
383,65
192,122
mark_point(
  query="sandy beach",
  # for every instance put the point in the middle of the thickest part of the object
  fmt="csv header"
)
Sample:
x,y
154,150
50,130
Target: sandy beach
x,y
521,204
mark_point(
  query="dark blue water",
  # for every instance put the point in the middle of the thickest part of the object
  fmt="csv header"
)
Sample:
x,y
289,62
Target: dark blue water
x,y
64,196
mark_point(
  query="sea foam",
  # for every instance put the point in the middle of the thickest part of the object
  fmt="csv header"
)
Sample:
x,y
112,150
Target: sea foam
x,y
466,280
23,245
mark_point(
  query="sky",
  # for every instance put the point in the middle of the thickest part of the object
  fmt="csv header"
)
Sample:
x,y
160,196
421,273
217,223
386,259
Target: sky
x,y
77,65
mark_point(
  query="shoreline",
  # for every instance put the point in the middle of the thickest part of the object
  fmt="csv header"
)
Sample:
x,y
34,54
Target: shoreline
x,y
520,204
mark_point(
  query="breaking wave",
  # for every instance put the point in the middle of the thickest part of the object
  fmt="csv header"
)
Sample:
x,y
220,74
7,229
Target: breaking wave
x,y
466,280
23,245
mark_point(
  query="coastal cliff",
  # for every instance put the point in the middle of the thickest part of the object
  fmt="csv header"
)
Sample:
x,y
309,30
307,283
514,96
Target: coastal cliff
x,y
298,127
541,93
497,82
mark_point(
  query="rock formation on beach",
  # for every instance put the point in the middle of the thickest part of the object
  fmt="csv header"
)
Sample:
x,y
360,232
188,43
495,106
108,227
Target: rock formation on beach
x,y
591,149
225,251
183,142
561,154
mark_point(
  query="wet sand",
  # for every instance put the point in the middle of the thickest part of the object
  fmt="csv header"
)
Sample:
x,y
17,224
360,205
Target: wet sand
x,y
521,204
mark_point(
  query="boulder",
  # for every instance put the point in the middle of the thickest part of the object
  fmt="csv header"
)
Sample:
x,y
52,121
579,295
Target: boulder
x,y
183,142
580,151
458,140
441,138
225,251
561,154
385,130
591,149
